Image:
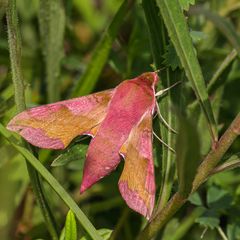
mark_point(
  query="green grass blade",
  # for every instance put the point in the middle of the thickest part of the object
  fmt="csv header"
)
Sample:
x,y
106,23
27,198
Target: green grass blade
x,y
87,225
178,31
223,66
52,24
100,54
188,155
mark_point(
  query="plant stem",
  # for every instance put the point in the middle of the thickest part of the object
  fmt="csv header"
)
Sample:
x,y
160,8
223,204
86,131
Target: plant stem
x,y
222,234
203,172
15,57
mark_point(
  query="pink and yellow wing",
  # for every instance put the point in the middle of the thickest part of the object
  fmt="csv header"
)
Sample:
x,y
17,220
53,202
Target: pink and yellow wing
x,y
137,184
53,126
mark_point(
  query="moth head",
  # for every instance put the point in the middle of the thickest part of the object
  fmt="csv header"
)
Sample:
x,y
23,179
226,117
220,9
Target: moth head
x,y
151,78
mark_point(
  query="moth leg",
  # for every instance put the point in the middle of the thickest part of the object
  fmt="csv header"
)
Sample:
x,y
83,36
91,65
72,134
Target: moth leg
x,y
161,92
165,144
164,121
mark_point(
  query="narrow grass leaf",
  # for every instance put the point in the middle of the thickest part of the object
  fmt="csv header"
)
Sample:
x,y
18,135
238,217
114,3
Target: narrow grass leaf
x,y
188,155
101,52
52,24
179,34
70,227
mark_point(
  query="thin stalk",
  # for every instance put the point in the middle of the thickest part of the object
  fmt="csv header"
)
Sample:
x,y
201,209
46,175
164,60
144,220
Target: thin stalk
x,y
120,224
226,166
15,57
226,62
222,234
204,170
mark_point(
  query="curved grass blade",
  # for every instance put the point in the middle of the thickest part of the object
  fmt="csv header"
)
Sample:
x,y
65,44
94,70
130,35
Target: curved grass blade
x,y
87,225
100,54
223,66
178,32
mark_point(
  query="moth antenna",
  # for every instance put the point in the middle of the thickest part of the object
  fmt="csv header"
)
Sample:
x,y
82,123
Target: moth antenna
x,y
161,92
165,144
155,115
164,121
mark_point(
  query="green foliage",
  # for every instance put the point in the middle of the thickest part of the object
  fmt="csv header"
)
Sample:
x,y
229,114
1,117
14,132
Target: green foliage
x,y
218,201
188,156
70,227
74,153
171,58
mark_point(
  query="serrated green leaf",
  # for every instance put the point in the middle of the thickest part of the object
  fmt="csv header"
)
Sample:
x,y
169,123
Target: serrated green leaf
x,y
171,58
188,155
218,199
70,226
176,25
185,4
104,233
75,153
